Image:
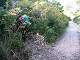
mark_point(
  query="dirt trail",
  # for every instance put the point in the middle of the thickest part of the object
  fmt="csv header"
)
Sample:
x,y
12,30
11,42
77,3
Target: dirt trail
x,y
68,46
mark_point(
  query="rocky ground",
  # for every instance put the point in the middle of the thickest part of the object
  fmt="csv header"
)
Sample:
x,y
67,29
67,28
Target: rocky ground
x,y
67,46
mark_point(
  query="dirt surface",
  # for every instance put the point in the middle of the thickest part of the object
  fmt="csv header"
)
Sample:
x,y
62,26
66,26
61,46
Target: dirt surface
x,y
66,48
69,45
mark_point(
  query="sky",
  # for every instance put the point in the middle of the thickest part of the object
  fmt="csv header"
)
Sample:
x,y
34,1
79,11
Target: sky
x,y
70,6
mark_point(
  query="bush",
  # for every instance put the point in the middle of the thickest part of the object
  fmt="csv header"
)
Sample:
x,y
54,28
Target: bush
x,y
8,39
54,24
48,18
50,27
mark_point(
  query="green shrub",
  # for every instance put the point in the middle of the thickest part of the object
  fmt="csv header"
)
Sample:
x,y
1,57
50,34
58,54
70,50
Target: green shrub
x,y
8,39
50,27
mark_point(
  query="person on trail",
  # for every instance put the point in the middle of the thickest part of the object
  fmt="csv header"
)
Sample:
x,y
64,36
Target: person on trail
x,y
26,20
23,24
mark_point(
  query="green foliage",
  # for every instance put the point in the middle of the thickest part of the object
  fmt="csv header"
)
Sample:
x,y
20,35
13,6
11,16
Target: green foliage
x,y
3,3
6,24
77,19
8,39
16,41
2,55
48,20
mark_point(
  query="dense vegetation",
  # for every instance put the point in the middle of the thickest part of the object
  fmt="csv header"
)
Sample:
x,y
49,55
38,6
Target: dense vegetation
x,y
47,19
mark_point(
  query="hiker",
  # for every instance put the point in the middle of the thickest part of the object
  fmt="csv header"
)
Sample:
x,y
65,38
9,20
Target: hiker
x,y
23,23
26,20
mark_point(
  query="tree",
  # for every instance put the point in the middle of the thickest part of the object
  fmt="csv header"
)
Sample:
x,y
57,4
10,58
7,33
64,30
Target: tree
x,y
3,3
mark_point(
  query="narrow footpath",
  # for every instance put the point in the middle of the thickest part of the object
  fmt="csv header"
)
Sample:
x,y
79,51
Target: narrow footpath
x,y
68,46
